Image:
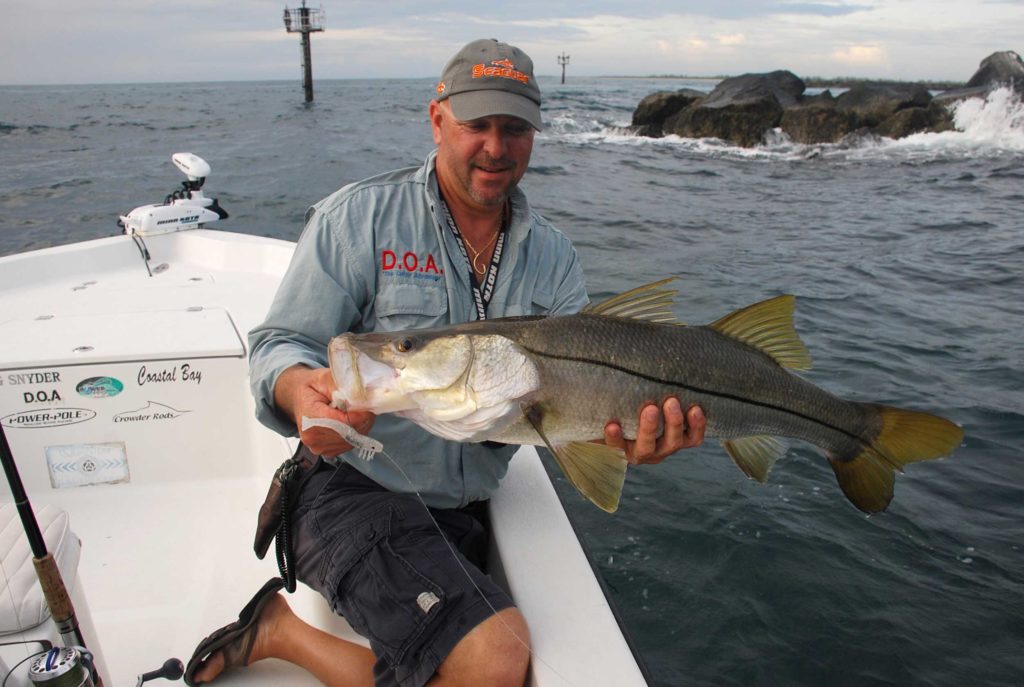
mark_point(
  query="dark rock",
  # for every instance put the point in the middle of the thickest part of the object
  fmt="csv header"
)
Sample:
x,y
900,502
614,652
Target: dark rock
x,y
955,95
817,120
743,109
651,113
872,104
1000,69
909,120
744,124
648,130
784,86
940,117
740,109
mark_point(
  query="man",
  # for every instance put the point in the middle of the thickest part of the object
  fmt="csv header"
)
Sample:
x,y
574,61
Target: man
x,y
451,241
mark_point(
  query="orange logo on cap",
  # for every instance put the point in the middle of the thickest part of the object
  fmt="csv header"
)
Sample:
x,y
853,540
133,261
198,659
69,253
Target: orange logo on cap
x,y
440,86
505,70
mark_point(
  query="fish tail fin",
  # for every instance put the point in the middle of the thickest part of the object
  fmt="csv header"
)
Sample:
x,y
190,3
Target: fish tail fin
x,y
867,475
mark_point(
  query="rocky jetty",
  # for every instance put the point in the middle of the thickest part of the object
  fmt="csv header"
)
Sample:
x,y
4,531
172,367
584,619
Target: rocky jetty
x,y
742,109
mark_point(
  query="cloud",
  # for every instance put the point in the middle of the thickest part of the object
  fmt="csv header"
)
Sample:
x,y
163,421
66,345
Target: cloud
x,y
731,39
861,55
80,41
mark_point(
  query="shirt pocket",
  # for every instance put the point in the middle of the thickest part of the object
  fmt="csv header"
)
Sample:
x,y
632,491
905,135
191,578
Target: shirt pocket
x,y
410,306
536,302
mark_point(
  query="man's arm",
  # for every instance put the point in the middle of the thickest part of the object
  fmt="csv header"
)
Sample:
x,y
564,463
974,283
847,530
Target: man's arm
x,y
318,298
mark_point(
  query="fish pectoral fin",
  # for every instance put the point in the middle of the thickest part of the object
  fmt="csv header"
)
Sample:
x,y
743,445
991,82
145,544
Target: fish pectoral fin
x,y
755,455
768,327
597,471
650,303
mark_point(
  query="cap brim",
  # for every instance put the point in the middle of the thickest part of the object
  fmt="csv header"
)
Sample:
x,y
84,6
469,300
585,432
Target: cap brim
x,y
476,104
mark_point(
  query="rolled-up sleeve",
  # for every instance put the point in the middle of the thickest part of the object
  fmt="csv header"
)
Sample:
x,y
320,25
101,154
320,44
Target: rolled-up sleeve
x,y
319,297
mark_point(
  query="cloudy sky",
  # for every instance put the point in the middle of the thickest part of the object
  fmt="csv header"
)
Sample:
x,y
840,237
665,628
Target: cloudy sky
x,y
80,41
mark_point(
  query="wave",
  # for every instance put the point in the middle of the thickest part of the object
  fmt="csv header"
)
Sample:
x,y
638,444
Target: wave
x,y
984,127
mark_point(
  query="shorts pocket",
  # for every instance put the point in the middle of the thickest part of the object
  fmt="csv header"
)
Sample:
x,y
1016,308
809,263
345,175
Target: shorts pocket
x,y
381,593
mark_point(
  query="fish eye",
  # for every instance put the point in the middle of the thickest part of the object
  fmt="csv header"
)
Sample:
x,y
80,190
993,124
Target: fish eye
x,y
405,345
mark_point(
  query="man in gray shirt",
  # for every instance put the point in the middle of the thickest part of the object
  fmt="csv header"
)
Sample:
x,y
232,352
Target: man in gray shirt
x,y
451,241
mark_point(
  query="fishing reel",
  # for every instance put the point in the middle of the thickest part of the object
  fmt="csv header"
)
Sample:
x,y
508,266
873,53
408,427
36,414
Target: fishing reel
x,y
183,209
73,667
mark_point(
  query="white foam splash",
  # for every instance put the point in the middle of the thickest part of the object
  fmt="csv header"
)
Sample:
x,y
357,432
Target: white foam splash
x,y
997,120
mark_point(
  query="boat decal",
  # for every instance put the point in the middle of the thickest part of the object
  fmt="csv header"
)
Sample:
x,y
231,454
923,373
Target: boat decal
x,y
23,378
100,387
47,417
152,411
184,373
79,465
41,396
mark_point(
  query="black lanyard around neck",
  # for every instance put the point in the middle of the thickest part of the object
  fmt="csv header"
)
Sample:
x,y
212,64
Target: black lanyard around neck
x,y
481,296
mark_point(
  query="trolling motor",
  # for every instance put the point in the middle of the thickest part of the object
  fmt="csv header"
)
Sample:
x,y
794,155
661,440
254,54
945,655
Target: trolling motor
x,y
185,208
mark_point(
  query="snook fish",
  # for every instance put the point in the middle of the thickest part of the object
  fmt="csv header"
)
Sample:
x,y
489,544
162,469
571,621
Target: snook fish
x,y
556,382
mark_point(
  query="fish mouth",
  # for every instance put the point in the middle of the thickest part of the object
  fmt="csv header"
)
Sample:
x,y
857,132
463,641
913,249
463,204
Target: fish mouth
x,y
361,382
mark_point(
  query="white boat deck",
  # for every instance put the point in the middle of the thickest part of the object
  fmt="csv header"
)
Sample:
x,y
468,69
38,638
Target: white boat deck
x,y
167,549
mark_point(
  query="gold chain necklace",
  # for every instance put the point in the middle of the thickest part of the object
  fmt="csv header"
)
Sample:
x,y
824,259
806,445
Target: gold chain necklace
x,y
476,253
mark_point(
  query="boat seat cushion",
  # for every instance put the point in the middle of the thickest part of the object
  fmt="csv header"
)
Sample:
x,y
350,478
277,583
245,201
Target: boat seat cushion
x,y
22,605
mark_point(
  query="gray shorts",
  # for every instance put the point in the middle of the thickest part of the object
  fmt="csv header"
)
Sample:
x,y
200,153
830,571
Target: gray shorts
x,y
380,562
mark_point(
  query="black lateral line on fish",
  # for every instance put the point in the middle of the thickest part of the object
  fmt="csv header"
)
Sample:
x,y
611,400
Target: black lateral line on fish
x,y
698,390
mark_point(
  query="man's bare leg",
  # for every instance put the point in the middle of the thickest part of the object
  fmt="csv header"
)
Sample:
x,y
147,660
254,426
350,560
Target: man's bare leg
x,y
282,634
495,652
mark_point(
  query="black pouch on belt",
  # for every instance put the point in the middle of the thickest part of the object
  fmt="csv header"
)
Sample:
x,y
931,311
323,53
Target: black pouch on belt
x,y
272,520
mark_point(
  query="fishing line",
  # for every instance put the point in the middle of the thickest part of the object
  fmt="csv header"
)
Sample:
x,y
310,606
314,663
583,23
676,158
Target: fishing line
x,y
366,448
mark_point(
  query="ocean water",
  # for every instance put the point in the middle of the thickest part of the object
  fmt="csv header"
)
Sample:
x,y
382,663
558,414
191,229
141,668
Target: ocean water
x,y
907,260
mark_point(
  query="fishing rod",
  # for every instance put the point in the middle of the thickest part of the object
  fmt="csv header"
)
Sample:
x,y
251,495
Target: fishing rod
x,y
56,593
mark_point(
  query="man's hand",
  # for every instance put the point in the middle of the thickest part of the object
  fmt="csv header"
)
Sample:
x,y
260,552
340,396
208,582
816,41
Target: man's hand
x,y
300,391
681,431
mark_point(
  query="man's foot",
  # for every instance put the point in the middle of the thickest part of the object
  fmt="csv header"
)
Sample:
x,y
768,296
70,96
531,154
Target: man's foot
x,y
242,642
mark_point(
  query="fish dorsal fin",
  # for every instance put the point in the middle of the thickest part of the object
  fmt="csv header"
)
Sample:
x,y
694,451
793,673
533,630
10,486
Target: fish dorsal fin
x,y
596,470
768,327
650,303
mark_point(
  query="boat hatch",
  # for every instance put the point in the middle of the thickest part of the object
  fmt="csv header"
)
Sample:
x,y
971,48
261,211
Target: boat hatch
x,y
142,397
119,337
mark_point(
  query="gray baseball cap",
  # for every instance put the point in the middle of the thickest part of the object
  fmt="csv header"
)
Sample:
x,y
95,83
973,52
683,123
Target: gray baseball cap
x,y
490,78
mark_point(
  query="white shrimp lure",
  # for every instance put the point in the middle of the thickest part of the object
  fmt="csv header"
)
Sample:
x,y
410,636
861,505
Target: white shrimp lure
x,y
366,447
